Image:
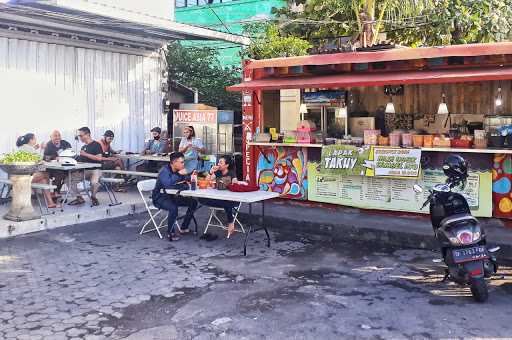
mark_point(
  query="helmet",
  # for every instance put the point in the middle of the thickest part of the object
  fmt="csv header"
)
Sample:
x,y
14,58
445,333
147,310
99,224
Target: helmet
x,y
455,168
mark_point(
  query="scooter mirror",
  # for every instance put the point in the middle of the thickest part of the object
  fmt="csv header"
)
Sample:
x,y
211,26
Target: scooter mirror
x,y
417,189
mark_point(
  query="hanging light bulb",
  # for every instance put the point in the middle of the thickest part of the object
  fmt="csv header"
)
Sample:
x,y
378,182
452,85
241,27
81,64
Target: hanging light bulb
x,y
443,108
499,98
390,107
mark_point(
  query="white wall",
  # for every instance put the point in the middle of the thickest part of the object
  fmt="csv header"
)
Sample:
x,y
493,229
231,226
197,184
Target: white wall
x,y
48,86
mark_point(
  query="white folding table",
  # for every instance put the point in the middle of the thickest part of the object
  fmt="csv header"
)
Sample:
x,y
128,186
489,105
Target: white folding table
x,y
243,197
82,167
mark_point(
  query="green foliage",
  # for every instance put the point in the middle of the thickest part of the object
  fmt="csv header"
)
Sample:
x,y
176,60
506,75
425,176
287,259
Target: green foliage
x,y
461,22
20,157
407,22
200,68
269,42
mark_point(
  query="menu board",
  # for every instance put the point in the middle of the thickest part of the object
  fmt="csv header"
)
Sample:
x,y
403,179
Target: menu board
x,y
395,193
371,161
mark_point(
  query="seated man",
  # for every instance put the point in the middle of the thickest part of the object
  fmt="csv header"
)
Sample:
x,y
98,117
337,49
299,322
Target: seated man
x,y
152,147
51,152
222,171
90,153
174,176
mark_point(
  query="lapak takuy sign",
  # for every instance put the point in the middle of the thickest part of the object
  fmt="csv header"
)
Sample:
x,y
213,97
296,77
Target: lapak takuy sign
x,y
371,161
195,116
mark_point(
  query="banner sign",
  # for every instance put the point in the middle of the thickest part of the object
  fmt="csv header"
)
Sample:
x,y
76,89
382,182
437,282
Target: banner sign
x,y
395,194
371,161
195,116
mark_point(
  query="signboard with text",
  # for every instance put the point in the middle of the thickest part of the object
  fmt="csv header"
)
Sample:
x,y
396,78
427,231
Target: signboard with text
x,y
371,161
195,116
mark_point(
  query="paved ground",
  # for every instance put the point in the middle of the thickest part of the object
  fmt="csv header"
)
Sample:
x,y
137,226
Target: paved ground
x,y
102,280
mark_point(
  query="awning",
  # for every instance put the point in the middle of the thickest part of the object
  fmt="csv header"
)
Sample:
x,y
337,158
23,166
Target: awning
x,y
377,79
468,50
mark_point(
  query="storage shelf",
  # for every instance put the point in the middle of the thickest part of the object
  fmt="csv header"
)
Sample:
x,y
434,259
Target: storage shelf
x,y
300,145
464,150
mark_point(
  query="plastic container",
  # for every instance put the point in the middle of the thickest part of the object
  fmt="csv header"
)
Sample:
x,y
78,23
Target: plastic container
x,y
395,138
428,141
407,139
371,137
461,143
480,143
384,141
417,141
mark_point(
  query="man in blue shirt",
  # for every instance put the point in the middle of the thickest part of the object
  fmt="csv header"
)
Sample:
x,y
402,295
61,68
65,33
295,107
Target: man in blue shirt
x,y
174,176
153,147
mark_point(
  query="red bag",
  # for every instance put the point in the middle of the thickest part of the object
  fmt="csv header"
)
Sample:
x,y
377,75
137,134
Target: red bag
x,y
235,187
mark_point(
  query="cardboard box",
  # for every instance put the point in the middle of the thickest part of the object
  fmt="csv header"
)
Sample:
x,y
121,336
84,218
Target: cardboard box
x,y
358,125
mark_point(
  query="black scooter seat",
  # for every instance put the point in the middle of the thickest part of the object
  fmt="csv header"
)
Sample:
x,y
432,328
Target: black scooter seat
x,y
457,218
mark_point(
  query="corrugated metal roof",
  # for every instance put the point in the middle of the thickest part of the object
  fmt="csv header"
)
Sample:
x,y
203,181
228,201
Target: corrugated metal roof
x,y
83,14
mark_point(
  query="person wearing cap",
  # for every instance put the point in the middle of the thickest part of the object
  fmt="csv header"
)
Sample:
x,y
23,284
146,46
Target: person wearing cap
x,y
155,145
191,147
110,162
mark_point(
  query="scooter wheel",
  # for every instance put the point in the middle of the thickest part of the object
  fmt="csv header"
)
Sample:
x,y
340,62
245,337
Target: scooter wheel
x,y
479,289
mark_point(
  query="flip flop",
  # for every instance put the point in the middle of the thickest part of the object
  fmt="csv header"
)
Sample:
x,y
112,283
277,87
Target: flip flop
x,y
173,238
77,201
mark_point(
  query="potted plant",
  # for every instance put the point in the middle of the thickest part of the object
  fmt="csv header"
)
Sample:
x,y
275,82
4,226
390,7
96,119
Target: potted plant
x,y
20,166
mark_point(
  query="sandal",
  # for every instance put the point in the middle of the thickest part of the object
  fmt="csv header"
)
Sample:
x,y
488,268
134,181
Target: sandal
x,y
95,202
77,201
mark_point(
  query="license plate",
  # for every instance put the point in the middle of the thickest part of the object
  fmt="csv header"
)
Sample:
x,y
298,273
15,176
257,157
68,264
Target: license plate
x,y
469,254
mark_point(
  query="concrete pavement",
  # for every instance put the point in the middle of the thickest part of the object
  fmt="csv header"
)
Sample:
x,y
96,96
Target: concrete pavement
x,y
104,281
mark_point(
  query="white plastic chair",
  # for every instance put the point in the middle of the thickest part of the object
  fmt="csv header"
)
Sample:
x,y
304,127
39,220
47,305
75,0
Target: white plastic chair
x,y
146,186
214,221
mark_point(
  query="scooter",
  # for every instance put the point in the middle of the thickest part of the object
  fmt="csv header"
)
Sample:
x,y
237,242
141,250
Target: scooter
x,y
461,237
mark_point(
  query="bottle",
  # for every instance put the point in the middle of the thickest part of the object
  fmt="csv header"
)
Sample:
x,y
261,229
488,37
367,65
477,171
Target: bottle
x,y
193,180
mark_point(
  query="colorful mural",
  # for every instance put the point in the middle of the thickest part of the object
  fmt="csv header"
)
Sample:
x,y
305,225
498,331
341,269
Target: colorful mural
x,y
502,186
283,170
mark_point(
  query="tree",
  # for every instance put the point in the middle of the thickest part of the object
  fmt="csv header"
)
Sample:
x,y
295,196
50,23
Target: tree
x,y
268,42
408,22
199,67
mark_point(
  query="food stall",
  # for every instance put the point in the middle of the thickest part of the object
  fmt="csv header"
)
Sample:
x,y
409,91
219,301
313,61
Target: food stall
x,y
361,128
214,127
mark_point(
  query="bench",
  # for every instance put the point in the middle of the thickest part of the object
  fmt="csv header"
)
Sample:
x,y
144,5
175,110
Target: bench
x,y
131,173
108,183
37,187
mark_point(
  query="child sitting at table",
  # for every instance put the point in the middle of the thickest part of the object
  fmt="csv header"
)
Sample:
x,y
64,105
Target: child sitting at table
x,y
222,171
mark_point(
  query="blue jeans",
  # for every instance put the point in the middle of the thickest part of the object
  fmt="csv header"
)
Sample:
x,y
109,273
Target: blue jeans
x,y
228,206
171,204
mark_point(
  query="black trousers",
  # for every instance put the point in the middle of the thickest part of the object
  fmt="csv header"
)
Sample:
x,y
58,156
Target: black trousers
x,y
171,204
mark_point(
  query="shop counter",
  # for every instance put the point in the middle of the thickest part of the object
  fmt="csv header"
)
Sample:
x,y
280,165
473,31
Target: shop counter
x,y
295,171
